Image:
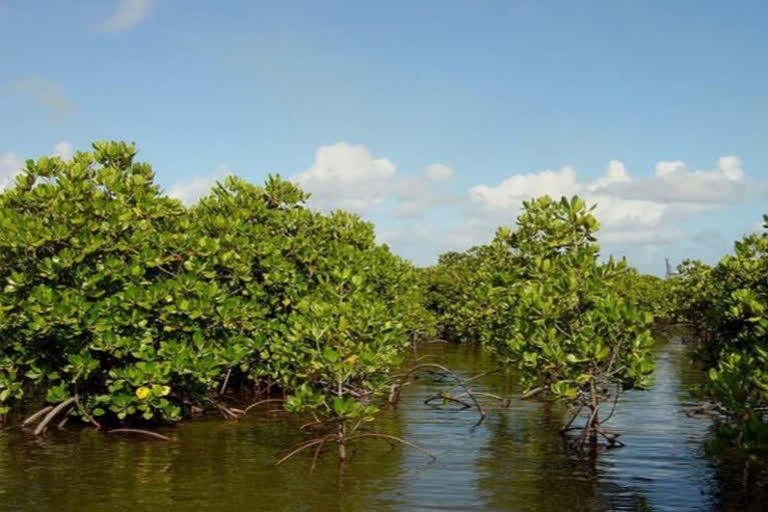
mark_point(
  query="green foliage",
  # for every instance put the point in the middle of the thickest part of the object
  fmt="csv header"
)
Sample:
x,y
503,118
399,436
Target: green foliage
x,y
725,308
142,307
648,292
540,298
468,293
572,332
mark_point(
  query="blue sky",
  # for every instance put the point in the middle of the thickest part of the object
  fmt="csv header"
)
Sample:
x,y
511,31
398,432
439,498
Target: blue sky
x,y
432,119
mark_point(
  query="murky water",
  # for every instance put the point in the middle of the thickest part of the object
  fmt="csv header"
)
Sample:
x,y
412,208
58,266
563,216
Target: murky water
x,y
513,461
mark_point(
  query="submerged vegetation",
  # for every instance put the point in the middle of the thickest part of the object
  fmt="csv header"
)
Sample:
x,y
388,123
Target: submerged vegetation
x,y
122,307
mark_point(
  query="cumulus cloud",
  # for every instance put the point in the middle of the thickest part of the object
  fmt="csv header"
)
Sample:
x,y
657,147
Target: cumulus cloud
x,y
128,13
631,210
673,182
347,176
417,196
439,172
50,95
638,214
190,192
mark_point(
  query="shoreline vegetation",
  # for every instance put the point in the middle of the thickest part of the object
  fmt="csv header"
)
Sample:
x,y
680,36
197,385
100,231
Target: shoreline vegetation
x,y
122,309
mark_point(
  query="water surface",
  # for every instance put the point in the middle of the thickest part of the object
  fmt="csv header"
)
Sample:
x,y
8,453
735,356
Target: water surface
x,y
514,461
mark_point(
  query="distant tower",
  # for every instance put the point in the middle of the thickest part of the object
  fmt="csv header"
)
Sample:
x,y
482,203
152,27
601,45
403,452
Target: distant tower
x,y
670,272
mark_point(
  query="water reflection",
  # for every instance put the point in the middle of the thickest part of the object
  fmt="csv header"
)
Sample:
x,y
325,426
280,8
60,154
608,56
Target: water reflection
x,y
513,461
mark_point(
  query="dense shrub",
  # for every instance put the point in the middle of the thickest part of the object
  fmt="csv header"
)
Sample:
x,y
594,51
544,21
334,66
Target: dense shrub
x,y
539,296
138,306
725,309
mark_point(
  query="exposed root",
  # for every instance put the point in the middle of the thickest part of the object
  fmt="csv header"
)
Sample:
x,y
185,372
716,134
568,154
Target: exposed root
x,y
612,438
228,413
39,414
446,373
567,426
139,431
434,340
63,423
393,393
533,392
429,401
506,401
52,414
306,445
588,427
394,438
256,404
317,454
226,382
478,376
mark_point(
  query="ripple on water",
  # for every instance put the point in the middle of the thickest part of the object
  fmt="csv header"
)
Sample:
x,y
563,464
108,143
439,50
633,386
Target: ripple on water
x,y
513,461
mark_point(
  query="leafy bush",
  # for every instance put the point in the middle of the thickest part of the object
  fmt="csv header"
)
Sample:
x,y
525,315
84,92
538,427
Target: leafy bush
x,y
540,298
573,335
725,308
140,307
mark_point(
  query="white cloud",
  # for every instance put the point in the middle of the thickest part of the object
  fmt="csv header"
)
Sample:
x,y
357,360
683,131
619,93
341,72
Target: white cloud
x,y
638,215
615,172
346,176
439,172
417,196
349,177
192,191
511,192
673,182
630,210
504,200
730,166
128,14
50,95
63,150
10,165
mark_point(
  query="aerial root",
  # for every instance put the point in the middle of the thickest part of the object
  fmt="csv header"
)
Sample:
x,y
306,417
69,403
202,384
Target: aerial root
x,y
533,392
434,340
506,401
227,412
139,431
39,414
320,442
256,404
226,382
64,421
317,454
438,396
306,445
52,414
611,437
567,426
388,437
445,373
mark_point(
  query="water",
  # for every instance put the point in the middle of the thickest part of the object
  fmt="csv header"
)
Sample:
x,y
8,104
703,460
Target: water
x,y
513,461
